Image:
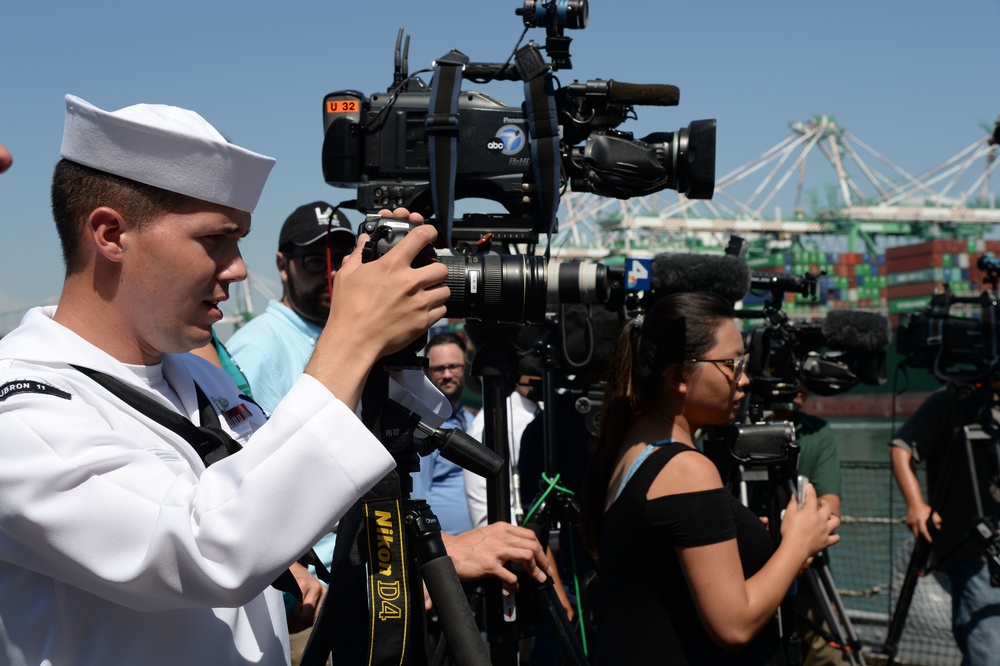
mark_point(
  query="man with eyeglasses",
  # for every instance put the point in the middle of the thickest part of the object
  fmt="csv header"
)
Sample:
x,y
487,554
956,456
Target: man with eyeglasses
x,y
440,481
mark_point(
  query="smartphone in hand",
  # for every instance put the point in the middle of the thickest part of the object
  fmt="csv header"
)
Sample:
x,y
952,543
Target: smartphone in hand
x,y
800,490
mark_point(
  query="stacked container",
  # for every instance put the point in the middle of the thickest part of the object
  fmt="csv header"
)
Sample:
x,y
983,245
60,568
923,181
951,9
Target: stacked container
x,y
847,280
900,281
918,271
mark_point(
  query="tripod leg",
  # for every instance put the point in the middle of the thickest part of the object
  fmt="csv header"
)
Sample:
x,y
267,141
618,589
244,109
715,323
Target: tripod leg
x,y
918,562
853,642
438,571
563,627
457,620
833,611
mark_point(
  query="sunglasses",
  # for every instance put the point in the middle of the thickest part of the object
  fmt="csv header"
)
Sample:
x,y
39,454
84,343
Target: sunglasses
x,y
316,263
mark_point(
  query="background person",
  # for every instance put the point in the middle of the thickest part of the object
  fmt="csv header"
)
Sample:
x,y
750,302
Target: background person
x,y
273,347
117,544
686,572
440,481
934,434
522,406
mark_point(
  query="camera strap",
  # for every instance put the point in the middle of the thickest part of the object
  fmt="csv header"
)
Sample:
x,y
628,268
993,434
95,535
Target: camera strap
x,y
212,443
371,566
543,129
441,127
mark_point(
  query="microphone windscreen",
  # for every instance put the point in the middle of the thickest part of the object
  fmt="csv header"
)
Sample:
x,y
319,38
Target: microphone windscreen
x,y
852,330
722,275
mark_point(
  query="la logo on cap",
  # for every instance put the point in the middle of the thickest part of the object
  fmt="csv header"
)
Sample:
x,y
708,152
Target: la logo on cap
x,y
323,216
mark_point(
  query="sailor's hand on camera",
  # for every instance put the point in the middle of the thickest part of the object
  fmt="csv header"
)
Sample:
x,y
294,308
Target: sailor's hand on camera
x,y
812,527
917,517
378,308
484,551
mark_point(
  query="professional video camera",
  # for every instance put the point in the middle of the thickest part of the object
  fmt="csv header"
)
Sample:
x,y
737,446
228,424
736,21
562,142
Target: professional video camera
x,y
828,358
423,146
957,349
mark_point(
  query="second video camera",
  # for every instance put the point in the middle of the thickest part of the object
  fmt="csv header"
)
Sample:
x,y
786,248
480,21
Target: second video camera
x,y
381,144
961,349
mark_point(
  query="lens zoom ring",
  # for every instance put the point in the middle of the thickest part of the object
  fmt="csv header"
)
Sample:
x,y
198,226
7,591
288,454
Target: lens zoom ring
x,y
493,285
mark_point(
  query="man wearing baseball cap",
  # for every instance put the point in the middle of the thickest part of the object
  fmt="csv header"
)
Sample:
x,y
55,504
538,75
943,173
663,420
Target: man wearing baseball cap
x,y
273,347
126,538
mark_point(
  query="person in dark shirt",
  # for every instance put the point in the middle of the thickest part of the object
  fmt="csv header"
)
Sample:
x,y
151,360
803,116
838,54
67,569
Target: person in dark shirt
x,y
687,574
935,434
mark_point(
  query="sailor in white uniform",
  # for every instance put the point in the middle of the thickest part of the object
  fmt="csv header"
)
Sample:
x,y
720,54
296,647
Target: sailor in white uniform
x,y
117,544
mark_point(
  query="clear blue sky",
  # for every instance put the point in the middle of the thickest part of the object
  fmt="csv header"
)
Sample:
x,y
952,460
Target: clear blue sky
x,y
915,80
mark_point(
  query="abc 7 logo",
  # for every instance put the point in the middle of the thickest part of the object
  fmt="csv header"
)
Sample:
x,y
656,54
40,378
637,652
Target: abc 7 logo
x,y
510,140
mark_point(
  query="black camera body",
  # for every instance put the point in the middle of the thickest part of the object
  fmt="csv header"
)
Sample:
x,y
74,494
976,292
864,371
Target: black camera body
x,y
956,349
381,145
382,151
756,444
787,358
745,452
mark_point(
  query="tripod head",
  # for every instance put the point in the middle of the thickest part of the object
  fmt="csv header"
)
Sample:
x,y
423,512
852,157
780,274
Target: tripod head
x,y
396,424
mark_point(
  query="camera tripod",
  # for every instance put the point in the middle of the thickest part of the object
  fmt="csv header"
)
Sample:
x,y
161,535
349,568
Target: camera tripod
x,y
841,632
767,452
388,545
984,529
507,618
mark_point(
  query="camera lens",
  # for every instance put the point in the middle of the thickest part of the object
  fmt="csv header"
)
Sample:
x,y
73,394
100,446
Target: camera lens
x,y
507,288
688,158
577,282
517,288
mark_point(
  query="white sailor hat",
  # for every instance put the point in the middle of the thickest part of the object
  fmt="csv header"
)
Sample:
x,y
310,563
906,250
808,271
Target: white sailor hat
x,y
166,147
